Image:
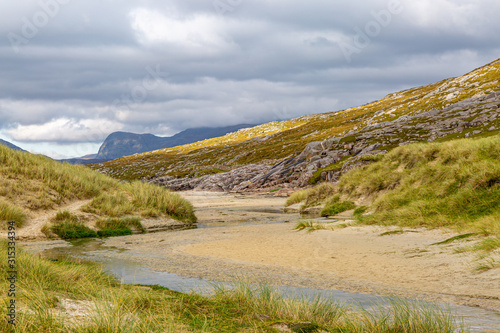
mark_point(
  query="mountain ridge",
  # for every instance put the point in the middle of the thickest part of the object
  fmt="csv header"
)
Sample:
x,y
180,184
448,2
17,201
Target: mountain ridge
x,y
10,145
119,144
311,148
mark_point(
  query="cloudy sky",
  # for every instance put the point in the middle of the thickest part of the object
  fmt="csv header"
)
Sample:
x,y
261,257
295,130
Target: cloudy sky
x,y
73,71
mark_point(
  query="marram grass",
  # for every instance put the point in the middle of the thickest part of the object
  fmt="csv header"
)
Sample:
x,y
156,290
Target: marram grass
x,y
143,199
31,183
454,184
10,212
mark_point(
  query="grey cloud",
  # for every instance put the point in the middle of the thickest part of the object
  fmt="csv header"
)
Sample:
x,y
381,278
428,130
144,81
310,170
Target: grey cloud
x,y
262,61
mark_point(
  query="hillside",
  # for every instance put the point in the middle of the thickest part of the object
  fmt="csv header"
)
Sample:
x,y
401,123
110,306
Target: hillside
x,y
297,152
37,192
119,144
10,145
453,184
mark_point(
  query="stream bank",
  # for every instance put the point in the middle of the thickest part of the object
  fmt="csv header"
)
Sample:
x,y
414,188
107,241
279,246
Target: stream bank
x,y
248,237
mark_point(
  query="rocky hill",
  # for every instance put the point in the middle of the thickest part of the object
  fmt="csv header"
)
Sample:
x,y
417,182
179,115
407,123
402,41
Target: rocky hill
x,y
119,144
305,150
10,145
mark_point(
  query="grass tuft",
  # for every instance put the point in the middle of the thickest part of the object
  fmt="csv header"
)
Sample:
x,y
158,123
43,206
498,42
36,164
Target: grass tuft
x,y
118,227
309,225
72,230
9,212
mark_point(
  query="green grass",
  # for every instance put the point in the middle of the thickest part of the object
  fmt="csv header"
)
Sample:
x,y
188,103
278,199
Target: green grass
x,y
118,227
309,225
72,230
37,182
144,199
334,206
43,287
311,197
455,238
488,244
296,197
32,183
453,184
9,212
67,226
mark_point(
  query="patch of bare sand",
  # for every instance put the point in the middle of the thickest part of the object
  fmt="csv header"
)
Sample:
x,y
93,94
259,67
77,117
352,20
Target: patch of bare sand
x,y
406,261
355,259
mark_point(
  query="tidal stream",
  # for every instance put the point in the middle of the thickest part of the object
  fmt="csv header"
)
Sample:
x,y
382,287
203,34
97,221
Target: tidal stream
x,y
252,235
131,272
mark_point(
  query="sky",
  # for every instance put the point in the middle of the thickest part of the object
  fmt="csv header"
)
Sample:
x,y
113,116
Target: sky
x,y
74,71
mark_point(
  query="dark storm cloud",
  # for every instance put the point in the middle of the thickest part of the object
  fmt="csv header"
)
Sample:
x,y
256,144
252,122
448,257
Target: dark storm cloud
x,y
73,71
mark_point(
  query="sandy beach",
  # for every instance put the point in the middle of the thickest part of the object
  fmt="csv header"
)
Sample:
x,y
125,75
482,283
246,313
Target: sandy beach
x,y
248,237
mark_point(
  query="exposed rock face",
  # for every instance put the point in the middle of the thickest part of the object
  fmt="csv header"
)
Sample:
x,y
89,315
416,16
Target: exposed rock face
x,y
119,144
464,119
221,182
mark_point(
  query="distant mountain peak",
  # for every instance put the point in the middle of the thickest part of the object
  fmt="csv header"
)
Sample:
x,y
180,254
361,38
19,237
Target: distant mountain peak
x,y
10,145
119,144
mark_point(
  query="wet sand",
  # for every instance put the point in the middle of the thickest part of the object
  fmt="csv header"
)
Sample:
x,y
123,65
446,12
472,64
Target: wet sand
x,y
248,237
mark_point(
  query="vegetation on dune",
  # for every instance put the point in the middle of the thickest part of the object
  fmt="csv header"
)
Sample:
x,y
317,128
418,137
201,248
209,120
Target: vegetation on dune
x,y
454,184
145,199
313,196
118,227
334,206
309,226
9,212
30,183
37,182
68,297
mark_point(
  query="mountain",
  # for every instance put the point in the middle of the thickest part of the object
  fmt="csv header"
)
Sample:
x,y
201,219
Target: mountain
x,y
120,144
321,147
10,145
84,160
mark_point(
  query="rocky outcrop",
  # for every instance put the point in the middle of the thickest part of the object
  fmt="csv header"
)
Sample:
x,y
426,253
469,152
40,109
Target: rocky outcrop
x,y
467,118
222,182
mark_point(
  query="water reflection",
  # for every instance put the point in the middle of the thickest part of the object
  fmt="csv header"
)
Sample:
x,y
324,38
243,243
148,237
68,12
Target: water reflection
x,y
131,272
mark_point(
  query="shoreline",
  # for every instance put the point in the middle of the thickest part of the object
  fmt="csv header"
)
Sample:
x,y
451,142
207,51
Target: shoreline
x,y
353,259
249,237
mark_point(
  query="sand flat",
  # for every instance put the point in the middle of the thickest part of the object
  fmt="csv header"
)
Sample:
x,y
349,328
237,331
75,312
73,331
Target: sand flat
x,y
355,259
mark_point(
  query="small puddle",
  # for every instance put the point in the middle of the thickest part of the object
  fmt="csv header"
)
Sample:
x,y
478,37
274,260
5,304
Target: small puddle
x,y
131,272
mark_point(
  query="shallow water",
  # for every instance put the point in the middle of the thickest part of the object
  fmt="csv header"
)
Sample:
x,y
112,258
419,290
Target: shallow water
x,y
131,272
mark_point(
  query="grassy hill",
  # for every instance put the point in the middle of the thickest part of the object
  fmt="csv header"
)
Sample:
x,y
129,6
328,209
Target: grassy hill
x,y
453,184
271,142
31,185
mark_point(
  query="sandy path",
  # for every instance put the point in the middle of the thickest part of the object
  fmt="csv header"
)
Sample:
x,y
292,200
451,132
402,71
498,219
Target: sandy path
x,y
355,259
31,229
